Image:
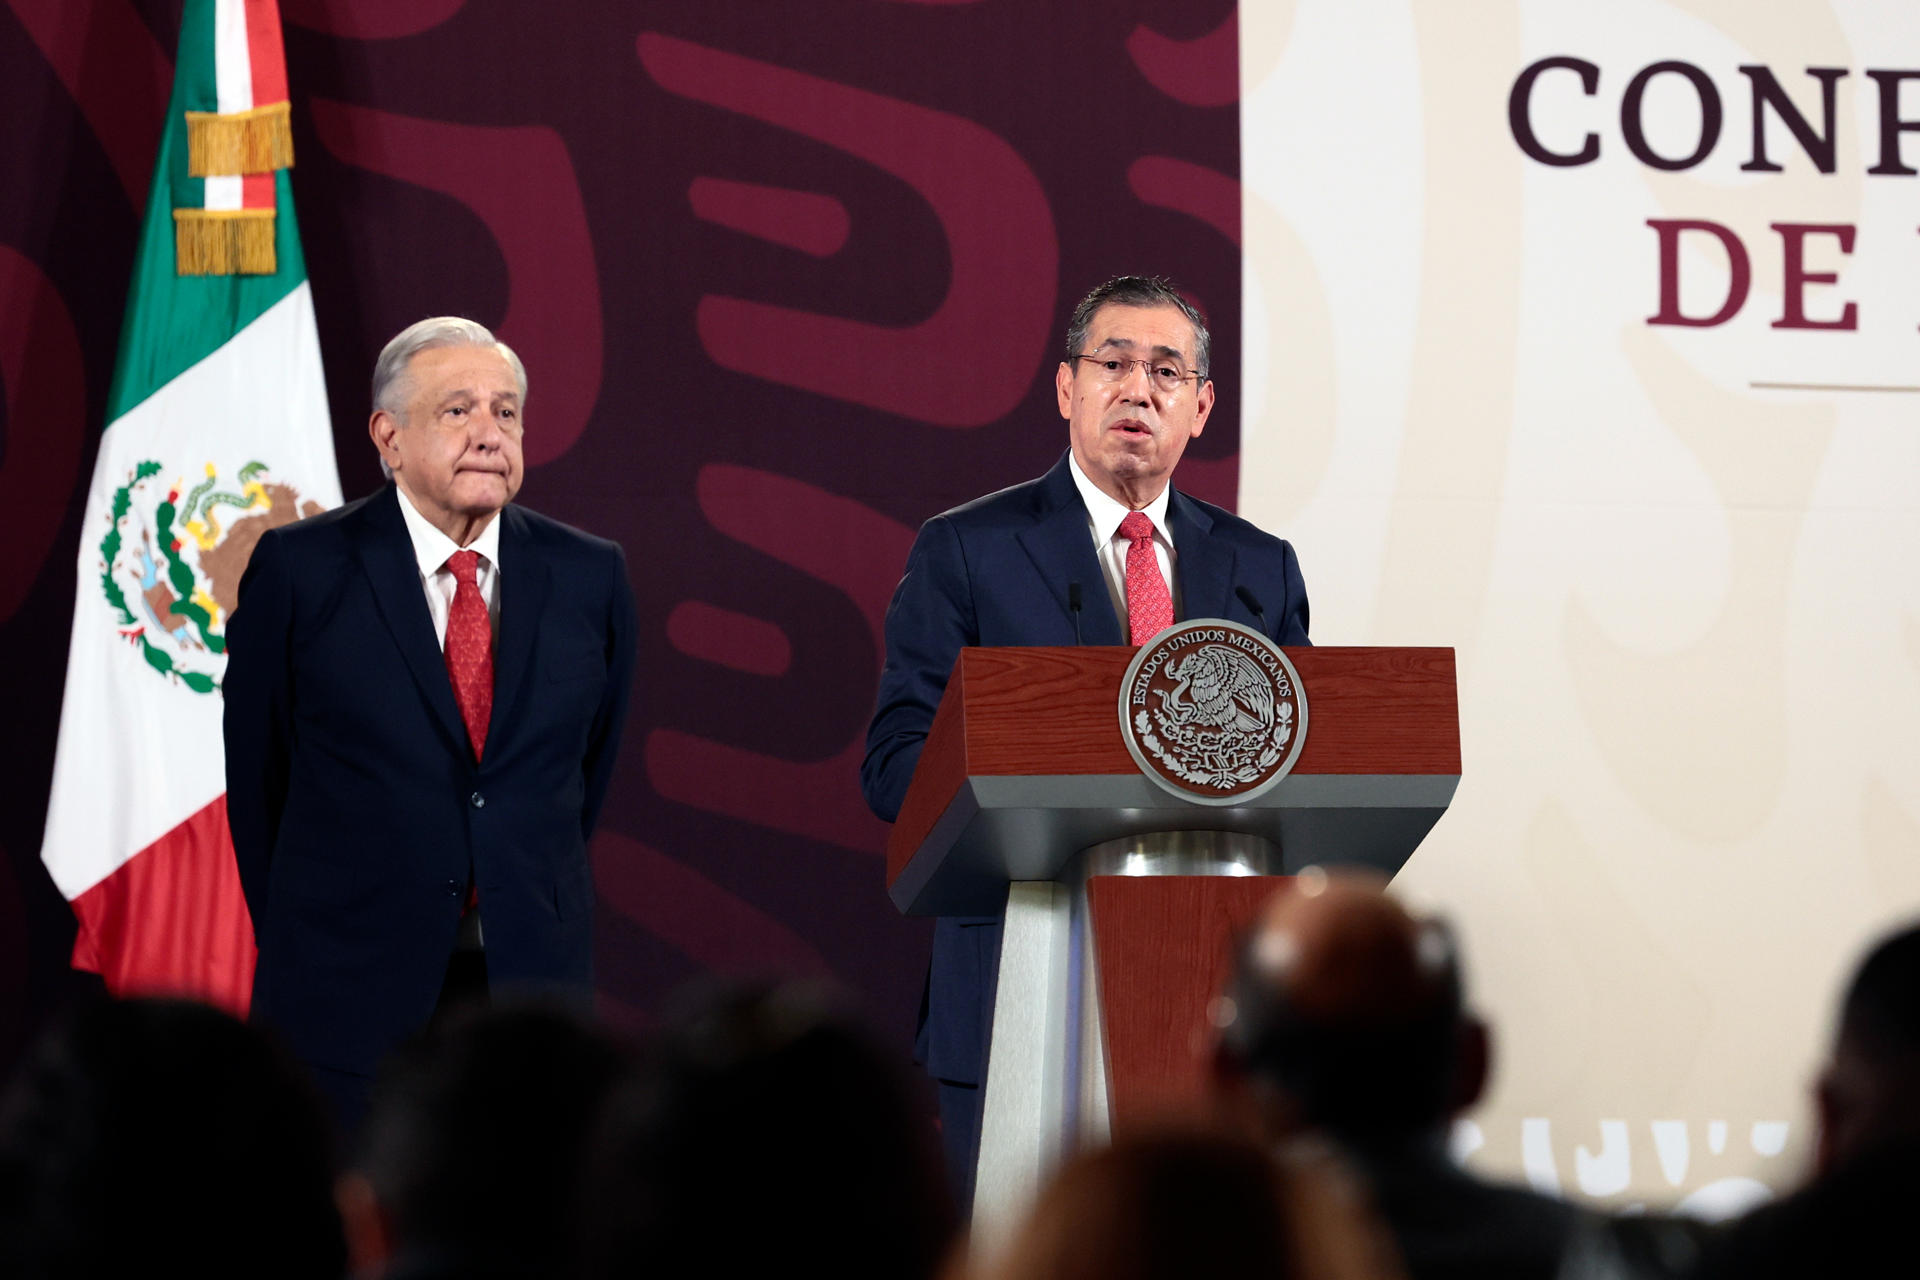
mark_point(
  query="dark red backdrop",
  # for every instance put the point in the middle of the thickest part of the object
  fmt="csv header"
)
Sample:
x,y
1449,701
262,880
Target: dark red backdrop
x,y
789,278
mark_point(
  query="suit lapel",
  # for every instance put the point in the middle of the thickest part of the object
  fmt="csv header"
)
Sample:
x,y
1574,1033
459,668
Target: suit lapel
x,y
1062,550
386,555
1205,566
525,581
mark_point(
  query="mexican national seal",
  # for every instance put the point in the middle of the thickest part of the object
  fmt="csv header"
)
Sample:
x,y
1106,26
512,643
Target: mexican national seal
x,y
1213,711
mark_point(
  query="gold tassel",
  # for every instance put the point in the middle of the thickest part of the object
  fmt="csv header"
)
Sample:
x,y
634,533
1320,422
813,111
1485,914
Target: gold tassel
x,y
223,242
256,141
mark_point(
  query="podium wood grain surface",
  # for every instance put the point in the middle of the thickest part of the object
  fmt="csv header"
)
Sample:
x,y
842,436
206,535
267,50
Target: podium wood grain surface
x,y
1163,946
1370,711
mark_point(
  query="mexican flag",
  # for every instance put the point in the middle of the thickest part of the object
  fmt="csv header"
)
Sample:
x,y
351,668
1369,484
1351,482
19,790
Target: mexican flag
x,y
216,430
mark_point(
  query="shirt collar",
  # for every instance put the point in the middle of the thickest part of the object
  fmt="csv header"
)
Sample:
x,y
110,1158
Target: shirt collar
x,y
432,547
1107,514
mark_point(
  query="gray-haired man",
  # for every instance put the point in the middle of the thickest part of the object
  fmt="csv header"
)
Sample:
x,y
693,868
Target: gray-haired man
x,y
424,696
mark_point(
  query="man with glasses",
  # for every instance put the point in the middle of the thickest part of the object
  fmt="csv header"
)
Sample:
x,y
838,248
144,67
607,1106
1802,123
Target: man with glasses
x,y
1101,550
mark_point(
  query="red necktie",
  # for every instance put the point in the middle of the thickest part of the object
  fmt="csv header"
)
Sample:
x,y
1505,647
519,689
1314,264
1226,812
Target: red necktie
x,y
470,648
1149,606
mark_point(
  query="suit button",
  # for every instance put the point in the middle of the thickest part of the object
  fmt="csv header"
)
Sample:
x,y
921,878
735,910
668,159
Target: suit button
x,y
453,888
477,800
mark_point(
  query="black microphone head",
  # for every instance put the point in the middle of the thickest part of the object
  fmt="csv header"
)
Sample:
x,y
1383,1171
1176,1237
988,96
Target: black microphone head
x,y
1073,597
1248,599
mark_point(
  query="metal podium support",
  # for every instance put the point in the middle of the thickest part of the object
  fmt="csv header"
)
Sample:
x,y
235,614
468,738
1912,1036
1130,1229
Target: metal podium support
x,y
1046,1066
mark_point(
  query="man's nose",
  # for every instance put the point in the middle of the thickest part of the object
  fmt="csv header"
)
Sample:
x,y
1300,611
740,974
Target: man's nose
x,y
486,431
1136,385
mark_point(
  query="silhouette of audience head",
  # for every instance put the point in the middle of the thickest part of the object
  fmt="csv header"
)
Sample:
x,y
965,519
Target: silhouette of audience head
x,y
1190,1203
146,1136
470,1157
1869,1093
1346,1017
769,1132
1345,1014
1852,1219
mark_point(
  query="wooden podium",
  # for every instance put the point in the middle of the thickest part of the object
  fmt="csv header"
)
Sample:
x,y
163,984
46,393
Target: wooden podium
x,y
1121,897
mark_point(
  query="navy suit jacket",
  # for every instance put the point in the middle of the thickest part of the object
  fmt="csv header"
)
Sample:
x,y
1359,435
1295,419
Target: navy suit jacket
x,y
996,572
357,809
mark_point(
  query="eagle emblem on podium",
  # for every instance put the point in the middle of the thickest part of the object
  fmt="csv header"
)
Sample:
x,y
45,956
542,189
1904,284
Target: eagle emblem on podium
x,y
1213,711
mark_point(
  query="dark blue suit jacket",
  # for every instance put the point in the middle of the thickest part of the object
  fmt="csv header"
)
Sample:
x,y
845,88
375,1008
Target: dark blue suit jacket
x,y
996,572
358,812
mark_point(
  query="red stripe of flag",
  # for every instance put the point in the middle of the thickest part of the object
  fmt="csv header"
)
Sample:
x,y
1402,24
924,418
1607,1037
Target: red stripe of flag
x,y
172,920
265,53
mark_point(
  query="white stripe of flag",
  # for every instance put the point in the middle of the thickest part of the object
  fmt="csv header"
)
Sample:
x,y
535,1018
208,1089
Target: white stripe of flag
x,y
233,64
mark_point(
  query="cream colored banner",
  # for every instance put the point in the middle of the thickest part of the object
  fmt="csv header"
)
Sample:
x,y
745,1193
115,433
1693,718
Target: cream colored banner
x,y
1677,560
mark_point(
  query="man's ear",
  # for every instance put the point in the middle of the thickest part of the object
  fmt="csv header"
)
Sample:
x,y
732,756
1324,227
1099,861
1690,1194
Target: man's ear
x,y
1472,1065
1063,388
1204,408
368,1226
381,428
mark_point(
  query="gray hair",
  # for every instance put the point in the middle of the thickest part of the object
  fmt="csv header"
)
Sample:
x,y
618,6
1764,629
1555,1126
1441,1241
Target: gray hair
x,y
1139,291
390,370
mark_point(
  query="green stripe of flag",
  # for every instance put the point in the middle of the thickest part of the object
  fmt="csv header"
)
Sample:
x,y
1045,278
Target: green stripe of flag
x,y
196,80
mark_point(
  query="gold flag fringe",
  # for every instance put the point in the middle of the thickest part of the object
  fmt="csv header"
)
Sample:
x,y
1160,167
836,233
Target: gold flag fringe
x,y
223,242
255,141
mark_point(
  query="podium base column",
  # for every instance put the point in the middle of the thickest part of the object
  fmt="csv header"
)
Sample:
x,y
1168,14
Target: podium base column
x,y
1047,1071
1021,1130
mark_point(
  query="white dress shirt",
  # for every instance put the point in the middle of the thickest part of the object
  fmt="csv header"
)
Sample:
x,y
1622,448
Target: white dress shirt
x,y
431,549
1103,524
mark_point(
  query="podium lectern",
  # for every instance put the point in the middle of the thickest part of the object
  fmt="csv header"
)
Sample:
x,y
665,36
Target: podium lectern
x,y
1120,895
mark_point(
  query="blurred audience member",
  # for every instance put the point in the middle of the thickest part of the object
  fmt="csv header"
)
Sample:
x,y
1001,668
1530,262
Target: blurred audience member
x,y
1346,1017
470,1157
155,1137
1173,1204
1851,1220
1869,1093
1649,1246
770,1136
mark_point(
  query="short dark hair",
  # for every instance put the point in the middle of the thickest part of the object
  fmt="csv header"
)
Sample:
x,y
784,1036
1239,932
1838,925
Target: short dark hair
x,y
771,1125
1140,291
1167,1203
1881,1014
145,1133
476,1128
1361,1079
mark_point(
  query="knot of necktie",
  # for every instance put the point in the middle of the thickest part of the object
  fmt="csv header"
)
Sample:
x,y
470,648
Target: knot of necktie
x,y
1136,527
465,567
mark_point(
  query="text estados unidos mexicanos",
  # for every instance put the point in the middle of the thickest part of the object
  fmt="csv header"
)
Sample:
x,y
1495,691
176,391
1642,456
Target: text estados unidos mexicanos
x,y
1266,657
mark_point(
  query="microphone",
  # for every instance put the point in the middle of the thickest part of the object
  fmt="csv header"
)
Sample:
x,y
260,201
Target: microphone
x,y
1252,602
1073,607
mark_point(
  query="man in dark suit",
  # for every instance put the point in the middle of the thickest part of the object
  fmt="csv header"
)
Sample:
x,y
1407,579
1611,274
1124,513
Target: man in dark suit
x,y
1100,550
425,692
1346,1018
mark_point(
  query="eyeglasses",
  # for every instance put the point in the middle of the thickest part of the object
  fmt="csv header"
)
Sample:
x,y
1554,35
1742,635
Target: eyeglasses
x,y
1166,376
